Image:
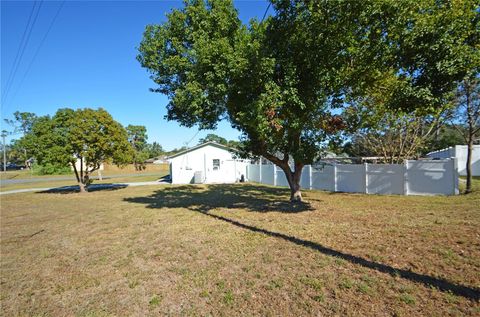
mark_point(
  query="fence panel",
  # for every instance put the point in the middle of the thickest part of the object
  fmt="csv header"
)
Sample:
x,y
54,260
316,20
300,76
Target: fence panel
x,y
431,177
281,178
351,178
305,177
253,173
268,176
324,178
385,179
438,177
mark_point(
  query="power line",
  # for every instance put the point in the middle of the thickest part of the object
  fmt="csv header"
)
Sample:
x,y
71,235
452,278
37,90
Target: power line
x,y
268,7
18,61
38,49
187,143
20,46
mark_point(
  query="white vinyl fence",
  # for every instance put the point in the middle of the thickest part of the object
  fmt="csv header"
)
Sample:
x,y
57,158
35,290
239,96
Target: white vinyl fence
x,y
426,177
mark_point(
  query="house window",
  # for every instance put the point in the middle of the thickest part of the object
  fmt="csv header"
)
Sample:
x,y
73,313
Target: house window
x,y
216,164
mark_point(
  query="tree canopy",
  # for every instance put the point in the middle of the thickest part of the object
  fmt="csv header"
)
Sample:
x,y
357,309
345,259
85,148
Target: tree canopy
x,y
213,138
83,139
137,136
282,81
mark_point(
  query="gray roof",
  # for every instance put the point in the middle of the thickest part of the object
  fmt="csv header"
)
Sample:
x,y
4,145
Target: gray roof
x,y
221,146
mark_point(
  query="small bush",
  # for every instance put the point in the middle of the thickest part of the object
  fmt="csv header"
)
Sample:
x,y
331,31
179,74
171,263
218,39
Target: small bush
x,y
50,169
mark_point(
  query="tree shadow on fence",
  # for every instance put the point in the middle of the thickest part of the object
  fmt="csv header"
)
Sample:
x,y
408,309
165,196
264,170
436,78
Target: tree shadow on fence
x,y
225,196
76,189
265,199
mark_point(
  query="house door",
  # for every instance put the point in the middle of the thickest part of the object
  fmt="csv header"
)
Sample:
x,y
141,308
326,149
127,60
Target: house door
x,y
215,171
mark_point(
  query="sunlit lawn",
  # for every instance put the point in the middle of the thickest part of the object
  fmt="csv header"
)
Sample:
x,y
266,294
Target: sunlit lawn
x,y
151,173
238,250
108,170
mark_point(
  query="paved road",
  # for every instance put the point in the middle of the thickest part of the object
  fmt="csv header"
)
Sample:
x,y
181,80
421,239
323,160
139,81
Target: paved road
x,y
65,178
93,187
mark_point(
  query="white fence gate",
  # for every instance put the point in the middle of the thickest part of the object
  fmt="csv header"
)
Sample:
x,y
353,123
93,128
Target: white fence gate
x,y
425,177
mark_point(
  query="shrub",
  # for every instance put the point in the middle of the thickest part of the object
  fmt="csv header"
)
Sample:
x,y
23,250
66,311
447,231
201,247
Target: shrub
x,y
51,169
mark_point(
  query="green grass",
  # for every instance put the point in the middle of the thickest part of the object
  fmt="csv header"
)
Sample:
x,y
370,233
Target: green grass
x,y
237,250
108,171
60,183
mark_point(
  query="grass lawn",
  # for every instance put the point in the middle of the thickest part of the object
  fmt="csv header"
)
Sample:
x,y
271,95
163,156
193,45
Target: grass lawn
x,y
108,170
151,173
73,182
238,250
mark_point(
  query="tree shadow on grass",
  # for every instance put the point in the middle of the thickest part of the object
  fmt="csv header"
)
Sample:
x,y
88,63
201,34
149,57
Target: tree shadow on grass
x,y
265,199
76,189
225,196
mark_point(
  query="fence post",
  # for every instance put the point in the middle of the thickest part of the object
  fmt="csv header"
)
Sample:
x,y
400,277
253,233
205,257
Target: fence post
x,y
334,177
309,176
365,165
260,171
456,191
274,175
405,177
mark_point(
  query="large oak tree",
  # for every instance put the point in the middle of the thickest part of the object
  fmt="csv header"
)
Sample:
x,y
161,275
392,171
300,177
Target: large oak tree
x,y
281,81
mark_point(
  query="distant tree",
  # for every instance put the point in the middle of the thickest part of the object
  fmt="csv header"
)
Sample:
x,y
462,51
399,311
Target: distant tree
x,y
88,136
445,136
177,150
23,123
213,138
155,150
466,118
234,144
137,136
16,152
393,135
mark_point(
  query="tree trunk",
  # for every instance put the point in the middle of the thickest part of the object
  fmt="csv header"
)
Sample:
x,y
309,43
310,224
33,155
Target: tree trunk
x,y
469,165
82,187
293,178
295,193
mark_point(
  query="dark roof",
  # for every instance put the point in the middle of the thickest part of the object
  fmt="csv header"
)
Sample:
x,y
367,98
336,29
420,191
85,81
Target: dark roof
x,y
221,146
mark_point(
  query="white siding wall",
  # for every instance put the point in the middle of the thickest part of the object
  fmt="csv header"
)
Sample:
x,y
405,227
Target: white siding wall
x,y
183,167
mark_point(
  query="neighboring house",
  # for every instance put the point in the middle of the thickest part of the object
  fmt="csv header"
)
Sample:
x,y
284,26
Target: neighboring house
x,y
209,162
157,160
77,165
460,152
161,160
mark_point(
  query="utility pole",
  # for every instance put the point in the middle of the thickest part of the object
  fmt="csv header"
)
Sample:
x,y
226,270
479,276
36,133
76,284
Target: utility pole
x,y
4,135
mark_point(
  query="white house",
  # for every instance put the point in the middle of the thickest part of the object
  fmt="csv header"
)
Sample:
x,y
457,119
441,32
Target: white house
x,y
460,152
207,163
78,165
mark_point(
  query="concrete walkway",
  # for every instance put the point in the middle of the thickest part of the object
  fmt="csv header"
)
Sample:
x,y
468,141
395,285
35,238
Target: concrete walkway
x,y
93,187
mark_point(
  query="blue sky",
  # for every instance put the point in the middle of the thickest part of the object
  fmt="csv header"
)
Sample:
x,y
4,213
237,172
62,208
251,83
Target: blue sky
x,y
88,60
